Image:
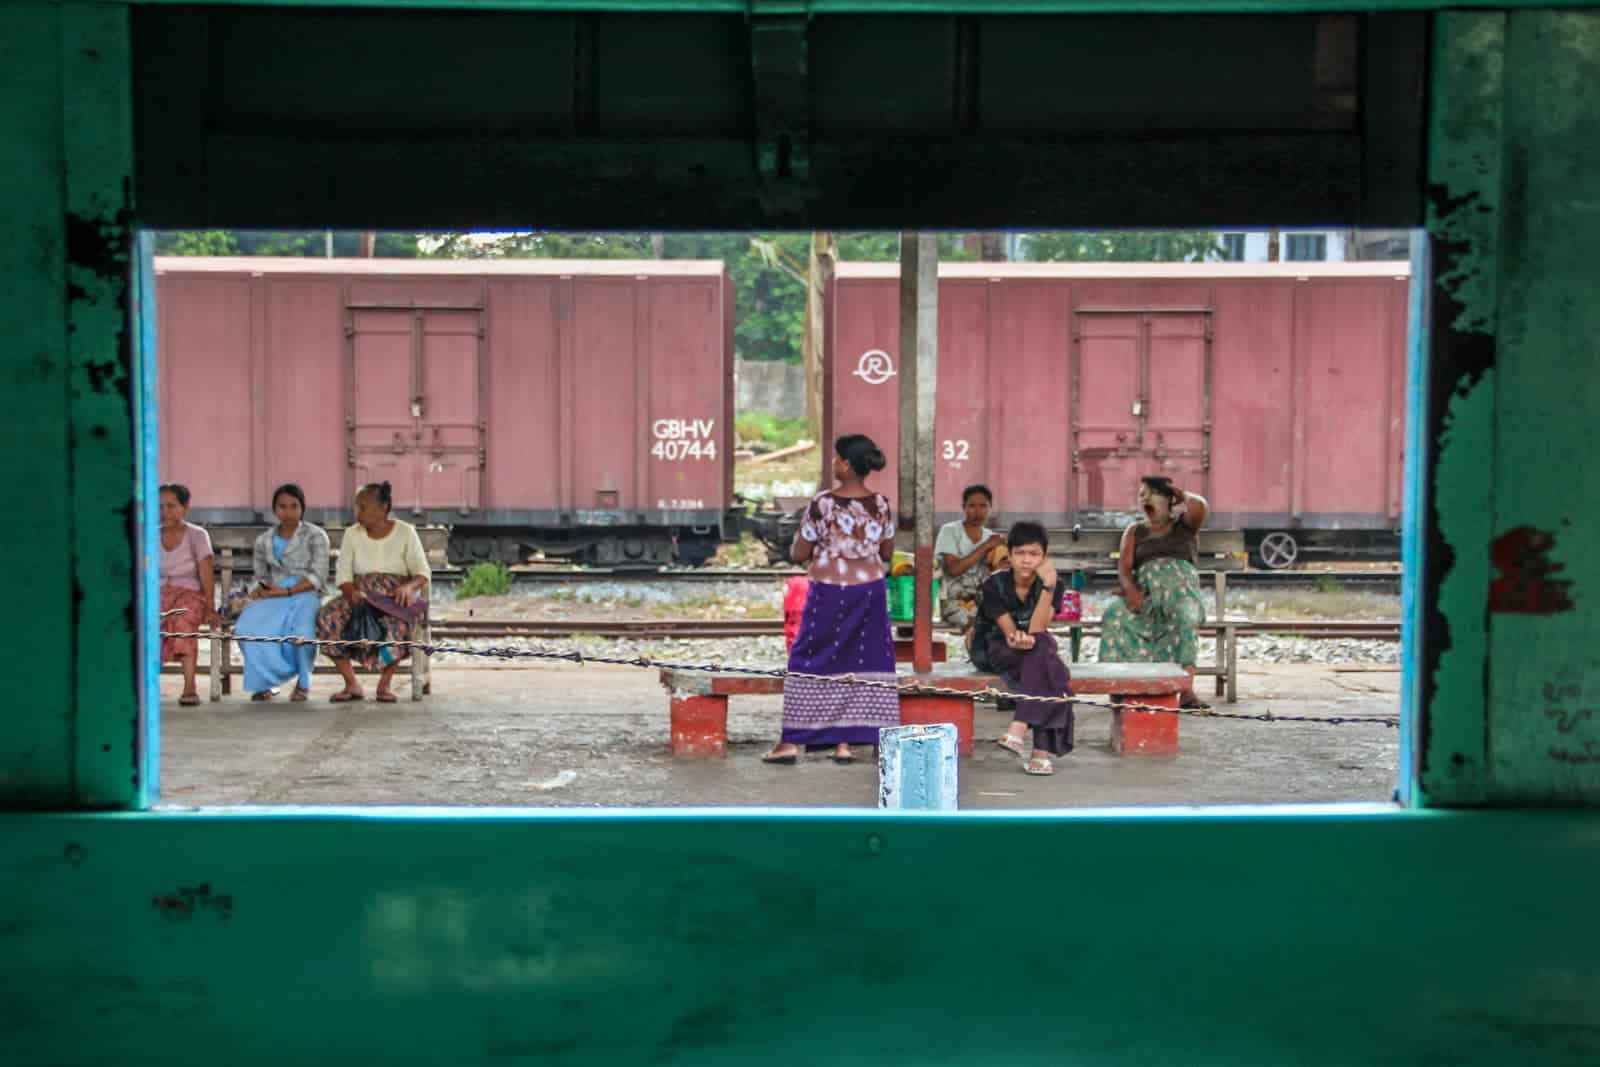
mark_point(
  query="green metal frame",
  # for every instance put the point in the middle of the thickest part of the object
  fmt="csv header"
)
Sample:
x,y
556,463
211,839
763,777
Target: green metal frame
x,y
1247,936
900,7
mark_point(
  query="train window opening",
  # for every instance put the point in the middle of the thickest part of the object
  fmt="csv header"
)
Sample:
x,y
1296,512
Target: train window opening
x,y
604,444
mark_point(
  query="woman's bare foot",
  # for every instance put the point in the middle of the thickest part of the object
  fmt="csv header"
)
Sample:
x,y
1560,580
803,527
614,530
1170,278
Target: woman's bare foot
x,y
347,694
783,753
842,754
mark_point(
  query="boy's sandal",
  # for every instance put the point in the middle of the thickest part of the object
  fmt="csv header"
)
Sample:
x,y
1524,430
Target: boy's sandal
x,y
1039,767
1012,745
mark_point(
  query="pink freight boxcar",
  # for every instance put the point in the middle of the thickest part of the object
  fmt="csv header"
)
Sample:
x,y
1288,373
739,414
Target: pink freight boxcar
x,y
1276,389
583,408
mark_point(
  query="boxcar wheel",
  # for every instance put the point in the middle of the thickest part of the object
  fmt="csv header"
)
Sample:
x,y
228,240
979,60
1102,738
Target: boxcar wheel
x,y
1278,550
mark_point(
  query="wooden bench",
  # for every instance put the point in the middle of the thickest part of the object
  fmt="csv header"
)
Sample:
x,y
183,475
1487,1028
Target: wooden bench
x,y
233,557
1226,632
698,703
1221,552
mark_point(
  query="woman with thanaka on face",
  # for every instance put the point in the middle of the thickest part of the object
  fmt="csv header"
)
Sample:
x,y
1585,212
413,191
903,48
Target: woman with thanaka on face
x,y
291,567
1011,638
381,565
963,550
846,538
1157,619
187,585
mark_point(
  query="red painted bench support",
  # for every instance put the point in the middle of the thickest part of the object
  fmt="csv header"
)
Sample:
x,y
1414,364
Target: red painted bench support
x,y
932,710
700,704
1144,733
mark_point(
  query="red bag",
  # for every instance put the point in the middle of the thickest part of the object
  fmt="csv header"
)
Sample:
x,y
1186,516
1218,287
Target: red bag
x,y
1071,607
794,605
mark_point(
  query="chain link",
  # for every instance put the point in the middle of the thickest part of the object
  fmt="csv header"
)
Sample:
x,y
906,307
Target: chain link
x,y
913,688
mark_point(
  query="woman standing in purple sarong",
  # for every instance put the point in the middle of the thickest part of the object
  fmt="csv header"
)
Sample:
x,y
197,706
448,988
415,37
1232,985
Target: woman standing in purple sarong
x,y
847,538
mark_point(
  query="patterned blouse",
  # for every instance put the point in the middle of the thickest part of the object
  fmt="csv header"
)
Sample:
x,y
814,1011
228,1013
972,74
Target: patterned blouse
x,y
846,533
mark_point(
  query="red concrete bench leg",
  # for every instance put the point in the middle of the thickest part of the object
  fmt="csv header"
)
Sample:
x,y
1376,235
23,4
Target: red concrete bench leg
x,y
699,725
1144,733
929,710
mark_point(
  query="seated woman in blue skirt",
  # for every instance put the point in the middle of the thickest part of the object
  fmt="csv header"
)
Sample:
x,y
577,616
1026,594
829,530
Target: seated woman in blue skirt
x,y
291,567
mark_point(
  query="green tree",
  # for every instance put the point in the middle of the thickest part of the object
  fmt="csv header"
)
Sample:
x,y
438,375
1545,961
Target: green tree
x,y
195,243
1121,246
279,243
769,302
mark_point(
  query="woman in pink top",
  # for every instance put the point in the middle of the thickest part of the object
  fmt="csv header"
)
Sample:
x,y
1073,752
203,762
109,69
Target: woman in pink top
x,y
186,584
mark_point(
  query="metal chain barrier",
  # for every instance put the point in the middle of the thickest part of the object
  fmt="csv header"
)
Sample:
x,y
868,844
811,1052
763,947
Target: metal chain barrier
x,y
904,689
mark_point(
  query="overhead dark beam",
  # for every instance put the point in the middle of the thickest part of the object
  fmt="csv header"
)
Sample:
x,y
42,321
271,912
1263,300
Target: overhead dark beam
x,y
1393,91
377,183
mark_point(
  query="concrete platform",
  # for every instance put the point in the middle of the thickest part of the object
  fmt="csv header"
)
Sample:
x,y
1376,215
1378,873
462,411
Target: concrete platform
x,y
560,735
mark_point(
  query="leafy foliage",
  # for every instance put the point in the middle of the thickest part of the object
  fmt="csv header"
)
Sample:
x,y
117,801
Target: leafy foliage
x,y
196,243
1121,246
279,243
769,429
769,300
769,303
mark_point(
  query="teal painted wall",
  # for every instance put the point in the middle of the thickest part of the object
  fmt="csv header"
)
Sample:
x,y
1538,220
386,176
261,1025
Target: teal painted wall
x,y
1358,936
1343,938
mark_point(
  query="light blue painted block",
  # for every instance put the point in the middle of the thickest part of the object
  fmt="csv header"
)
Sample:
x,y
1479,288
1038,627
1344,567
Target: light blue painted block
x,y
917,767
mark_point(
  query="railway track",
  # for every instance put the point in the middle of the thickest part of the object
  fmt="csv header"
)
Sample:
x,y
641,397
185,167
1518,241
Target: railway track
x,y
459,629
1367,581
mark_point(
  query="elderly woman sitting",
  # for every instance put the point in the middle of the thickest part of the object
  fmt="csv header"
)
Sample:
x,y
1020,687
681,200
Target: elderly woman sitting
x,y
383,573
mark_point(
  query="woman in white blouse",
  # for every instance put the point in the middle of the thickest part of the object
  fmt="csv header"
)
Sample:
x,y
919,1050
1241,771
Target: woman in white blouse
x,y
383,575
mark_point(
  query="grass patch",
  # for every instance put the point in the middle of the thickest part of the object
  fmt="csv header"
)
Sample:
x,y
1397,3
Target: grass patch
x,y
1327,583
758,427
485,579
748,551
797,472
708,606
1307,604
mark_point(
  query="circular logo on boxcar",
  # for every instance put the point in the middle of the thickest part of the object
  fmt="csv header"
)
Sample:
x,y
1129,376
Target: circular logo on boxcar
x,y
874,367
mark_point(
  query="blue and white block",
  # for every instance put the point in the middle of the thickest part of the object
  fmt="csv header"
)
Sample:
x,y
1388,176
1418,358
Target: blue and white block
x,y
917,767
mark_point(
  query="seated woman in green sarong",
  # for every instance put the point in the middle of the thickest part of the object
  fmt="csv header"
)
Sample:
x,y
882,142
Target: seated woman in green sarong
x,y
1157,618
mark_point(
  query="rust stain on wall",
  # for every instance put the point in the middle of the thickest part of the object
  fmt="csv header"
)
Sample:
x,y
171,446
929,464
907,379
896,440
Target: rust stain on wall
x,y
189,901
1525,582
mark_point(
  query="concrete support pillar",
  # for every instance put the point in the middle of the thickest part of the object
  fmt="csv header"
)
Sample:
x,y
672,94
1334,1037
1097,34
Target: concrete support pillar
x,y
919,349
917,768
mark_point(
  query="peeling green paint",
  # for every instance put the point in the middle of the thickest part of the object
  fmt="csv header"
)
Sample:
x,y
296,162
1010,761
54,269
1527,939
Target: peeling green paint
x,y
97,120
36,731
1455,763
1464,217
1544,669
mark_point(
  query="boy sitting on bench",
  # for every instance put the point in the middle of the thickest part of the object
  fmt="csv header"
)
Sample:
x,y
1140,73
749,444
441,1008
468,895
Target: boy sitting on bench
x,y
1011,638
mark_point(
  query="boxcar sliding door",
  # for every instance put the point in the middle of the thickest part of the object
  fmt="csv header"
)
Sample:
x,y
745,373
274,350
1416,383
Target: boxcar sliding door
x,y
1140,404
